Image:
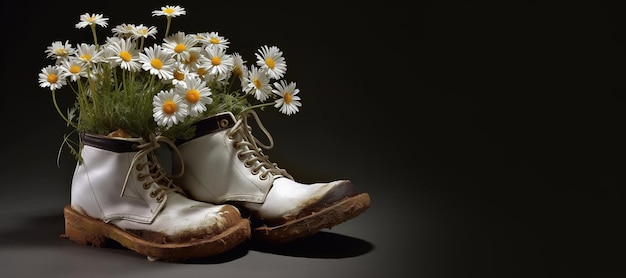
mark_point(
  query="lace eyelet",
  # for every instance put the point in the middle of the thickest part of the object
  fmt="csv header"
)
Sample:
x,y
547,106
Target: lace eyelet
x,y
159,199
254,171
263,176
153,194
247,164
139,166
224,123
240,155
146,185
141,177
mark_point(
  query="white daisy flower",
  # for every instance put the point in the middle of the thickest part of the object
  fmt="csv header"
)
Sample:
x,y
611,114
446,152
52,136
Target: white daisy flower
x,y
289,101
87,53
196,59
158,62
240,69
258,84
59,50
271,58
122,52
212,39
219,61
141,31
201,71
91,19
73,69
169,108
196,95
123,30
106,49
180,73
180,45
169,11
52,76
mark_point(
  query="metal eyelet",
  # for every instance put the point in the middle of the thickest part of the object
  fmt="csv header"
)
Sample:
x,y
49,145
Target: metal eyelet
x,y
153,194
141,177
247,164
146,185
139,166
255,171
159,199
240,155
223,123
263,176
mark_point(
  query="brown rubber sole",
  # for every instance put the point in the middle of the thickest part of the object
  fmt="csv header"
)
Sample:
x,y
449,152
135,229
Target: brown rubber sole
x,y
311,224
89,231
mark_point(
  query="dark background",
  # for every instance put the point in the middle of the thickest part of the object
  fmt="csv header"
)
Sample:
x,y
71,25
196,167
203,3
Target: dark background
x,y
489,136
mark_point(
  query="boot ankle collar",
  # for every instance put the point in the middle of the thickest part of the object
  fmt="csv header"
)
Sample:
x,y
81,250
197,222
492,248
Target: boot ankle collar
x,y
212,124
118,145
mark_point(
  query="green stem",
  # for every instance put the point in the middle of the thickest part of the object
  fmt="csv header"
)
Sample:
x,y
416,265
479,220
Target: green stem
x,y
167,29
56,105
95,38
256,106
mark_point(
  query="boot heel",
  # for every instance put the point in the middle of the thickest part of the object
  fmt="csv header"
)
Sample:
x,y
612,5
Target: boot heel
x,y
79,229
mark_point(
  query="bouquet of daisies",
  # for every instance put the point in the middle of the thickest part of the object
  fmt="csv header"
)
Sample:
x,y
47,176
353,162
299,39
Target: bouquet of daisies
x,y
130,86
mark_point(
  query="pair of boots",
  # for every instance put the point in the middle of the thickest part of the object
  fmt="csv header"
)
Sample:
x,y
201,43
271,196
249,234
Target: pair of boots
x,y
226,192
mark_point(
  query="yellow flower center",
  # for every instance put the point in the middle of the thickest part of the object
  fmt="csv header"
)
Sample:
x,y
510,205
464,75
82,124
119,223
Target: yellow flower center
x,y
125,55
287,98
257,83
179,48
179,75
169,107
237,71
192,96
192,58
216,61
74,69
169,11
202,71
86,57
91,19
60,51
270,63
156,63
214,41
53,78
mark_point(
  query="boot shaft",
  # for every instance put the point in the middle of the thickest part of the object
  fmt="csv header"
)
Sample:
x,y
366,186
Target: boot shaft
x,y
214,171
114,180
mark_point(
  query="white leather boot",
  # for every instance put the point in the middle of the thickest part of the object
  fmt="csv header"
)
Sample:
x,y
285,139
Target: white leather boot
x,y
120,192
224,163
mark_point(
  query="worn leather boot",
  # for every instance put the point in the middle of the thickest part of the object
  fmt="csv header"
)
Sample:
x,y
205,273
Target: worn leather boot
x,y
225,163
120,192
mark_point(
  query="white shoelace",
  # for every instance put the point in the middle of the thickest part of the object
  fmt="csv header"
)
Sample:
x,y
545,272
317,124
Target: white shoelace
x,y
156,171
254,156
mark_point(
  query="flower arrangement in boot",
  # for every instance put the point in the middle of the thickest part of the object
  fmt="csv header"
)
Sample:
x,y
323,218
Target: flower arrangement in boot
x,y
128,99
128,85
191,90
